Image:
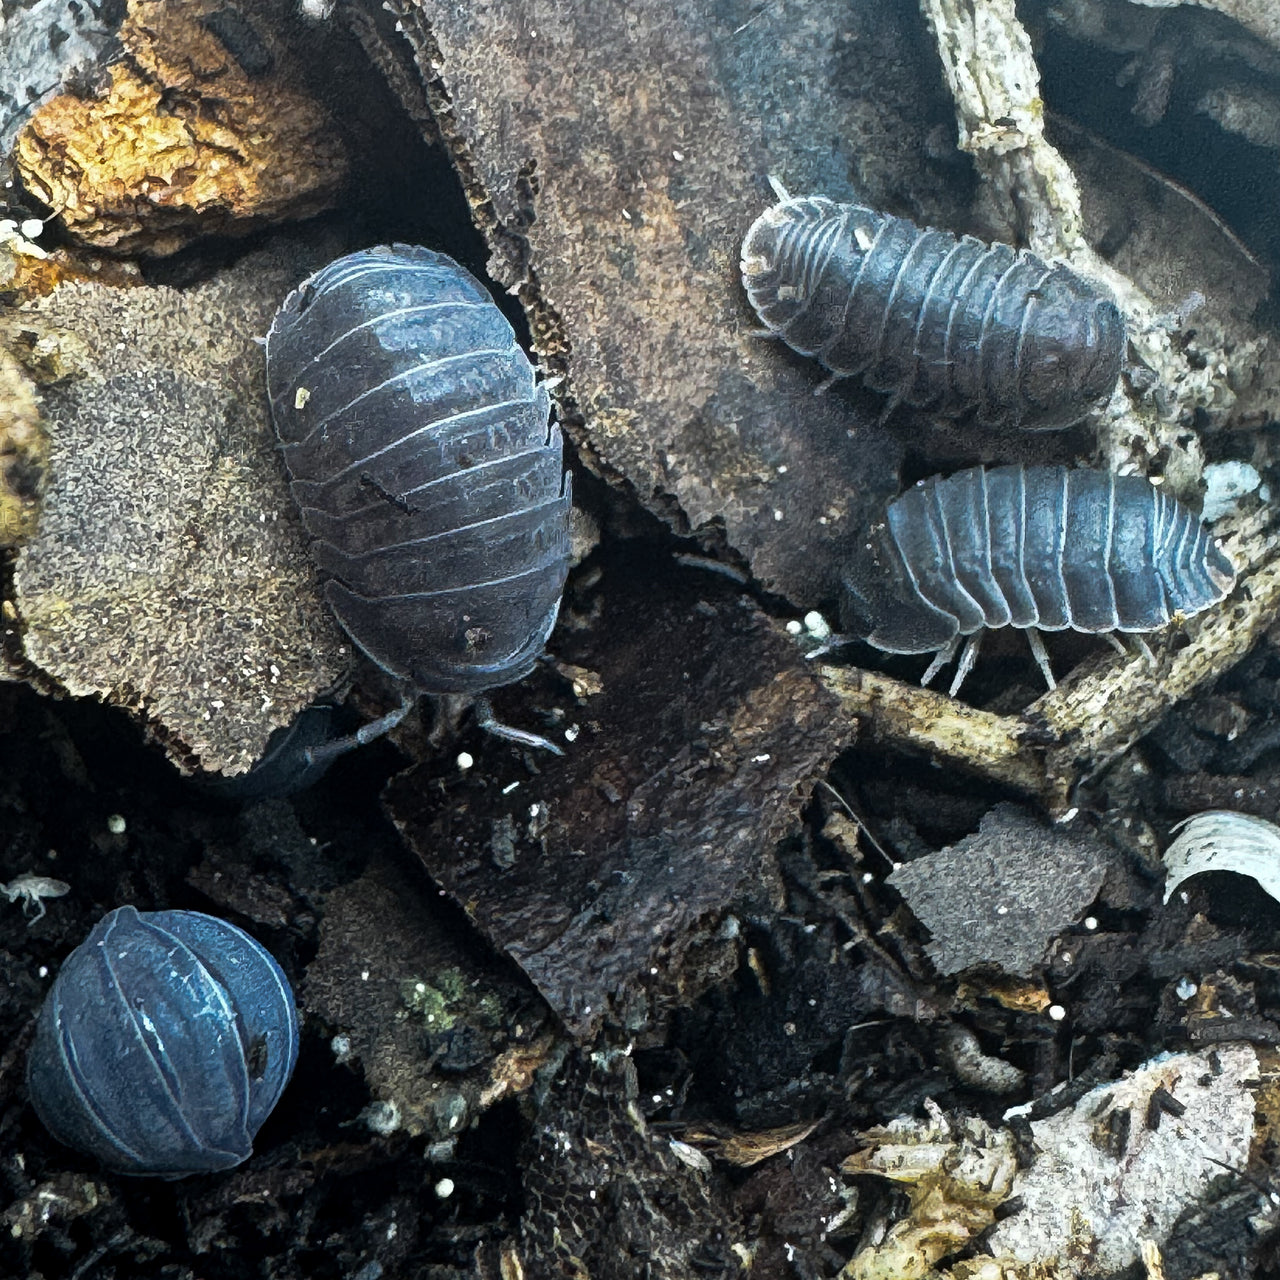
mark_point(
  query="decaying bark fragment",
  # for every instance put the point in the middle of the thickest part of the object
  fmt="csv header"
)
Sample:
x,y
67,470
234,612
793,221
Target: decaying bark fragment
x,y
195,133
168,572
607,875
1000,896
439,1035
607,1195
991,70
614,162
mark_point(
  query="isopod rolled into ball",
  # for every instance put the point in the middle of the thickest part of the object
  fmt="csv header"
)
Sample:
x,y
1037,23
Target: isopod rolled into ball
x,y
1039,548
945,323
427,471
165,1042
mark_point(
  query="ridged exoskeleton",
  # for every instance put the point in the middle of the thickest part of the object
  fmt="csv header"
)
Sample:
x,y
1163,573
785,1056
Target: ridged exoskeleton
x,y
943,323
164,1043
427,472
1045,548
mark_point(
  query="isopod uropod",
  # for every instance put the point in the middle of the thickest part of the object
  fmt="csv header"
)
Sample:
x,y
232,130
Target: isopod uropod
x,y
428,473
944,323
1045,547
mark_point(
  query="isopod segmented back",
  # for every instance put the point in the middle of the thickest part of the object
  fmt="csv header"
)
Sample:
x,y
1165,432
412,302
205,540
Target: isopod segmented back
x,y
944,323
422,457
1044,547
164,1044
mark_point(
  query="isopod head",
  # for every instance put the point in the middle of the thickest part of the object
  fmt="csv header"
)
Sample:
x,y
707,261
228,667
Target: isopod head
x,y
164,1043
1072,360
876,606
781,269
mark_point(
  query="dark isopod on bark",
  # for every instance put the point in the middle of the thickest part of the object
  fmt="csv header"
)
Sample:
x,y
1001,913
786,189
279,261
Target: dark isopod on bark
x,y
1045,548
945,323
427,470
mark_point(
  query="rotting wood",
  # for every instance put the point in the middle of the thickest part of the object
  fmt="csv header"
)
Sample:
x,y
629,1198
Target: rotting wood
x,y
908,715
191,135
990,68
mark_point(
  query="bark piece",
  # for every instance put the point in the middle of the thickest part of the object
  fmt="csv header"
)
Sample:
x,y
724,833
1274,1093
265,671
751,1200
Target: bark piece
x,y
614,162
438,1034
169,573
196,133
998,897
601,872
607,1196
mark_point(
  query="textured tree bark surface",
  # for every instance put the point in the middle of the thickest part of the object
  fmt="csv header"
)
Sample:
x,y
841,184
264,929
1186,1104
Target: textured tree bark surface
x,y
615,161
688,763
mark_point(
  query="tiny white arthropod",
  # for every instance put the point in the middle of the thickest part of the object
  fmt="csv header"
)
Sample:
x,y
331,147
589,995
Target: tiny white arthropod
x,y
33,890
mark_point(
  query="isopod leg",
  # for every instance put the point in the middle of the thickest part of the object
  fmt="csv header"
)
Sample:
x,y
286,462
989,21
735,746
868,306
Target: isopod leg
x,y
1041,656
490,724
967,659
893,402
778,189
833,642
940,660
365,734
1133,645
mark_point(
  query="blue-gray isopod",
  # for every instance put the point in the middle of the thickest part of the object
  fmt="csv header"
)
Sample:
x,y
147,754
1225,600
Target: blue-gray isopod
x,y
1030,547
164,1043
945,323
428,473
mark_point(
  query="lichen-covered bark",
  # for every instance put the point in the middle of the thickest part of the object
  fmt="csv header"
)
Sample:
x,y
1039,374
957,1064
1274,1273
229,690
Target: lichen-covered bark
x,y
169,573
24,454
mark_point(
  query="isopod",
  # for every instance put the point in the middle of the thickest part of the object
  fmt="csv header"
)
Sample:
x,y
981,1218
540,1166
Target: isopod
x,y
1044,547
164,1043
427,470
945,323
